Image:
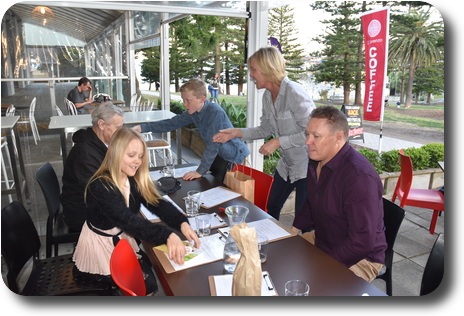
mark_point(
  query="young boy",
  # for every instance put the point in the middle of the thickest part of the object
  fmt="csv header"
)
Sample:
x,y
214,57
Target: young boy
x,y
209,118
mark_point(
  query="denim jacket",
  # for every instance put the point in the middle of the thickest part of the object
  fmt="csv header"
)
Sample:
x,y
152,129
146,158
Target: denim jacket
x,y
209,121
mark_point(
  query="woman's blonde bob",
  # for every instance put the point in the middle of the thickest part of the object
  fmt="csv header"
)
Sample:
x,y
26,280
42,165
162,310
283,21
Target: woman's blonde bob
x,y
271,63
110,169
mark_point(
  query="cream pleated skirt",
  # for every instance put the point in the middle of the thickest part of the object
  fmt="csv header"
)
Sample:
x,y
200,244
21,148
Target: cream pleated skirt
x,y
93,251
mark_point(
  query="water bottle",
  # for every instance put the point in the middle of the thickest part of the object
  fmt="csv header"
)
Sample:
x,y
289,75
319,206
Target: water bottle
x,y
231,254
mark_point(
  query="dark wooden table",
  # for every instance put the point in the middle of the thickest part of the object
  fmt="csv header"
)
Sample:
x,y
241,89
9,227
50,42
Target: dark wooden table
x,y
288,259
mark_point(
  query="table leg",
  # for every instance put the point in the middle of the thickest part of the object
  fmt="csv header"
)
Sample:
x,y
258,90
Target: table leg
x,y
64,147
14,167
179,145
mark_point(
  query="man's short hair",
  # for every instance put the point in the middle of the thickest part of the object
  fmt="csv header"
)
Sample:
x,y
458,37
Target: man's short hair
x,y
83,81
335,119
105,111
197,86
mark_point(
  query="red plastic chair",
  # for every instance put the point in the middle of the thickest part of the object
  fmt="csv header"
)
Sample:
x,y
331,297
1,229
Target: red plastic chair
x,y
126,271
263,184
424,198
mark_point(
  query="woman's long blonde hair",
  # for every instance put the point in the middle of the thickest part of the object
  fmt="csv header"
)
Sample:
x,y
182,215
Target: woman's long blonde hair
x,y
271,63
110,169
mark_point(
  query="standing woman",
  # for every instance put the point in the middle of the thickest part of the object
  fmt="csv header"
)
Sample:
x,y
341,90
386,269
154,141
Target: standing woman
x,y
214,84
286,111
113,197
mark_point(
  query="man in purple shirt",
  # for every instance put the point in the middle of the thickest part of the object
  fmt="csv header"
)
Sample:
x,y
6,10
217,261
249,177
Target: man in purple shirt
x,y
343,209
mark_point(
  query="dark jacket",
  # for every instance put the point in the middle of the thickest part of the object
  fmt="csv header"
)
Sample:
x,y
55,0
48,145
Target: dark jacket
x,y
83,161
106,209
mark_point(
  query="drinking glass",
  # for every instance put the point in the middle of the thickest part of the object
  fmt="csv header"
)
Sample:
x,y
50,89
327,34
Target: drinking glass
x,y
203,223
236,214
296,288
192,204
170,165
263,244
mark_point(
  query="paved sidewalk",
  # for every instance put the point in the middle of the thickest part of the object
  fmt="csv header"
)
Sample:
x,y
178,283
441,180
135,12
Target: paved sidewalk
x,y
372,141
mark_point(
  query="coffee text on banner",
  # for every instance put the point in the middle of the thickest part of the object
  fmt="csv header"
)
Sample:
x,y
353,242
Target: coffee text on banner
x,y
375,26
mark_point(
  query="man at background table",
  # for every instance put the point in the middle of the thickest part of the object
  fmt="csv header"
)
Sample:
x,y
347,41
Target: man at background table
x,y
79,97
85,157
343,211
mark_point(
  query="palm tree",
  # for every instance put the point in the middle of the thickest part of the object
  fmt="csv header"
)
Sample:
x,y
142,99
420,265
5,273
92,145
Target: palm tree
x,y
414,44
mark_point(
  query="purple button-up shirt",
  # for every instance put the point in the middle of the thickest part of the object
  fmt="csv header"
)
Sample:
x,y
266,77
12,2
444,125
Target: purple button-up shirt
x,y
345,208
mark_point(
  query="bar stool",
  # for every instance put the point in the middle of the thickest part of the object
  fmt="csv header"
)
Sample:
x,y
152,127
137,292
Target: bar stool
x,y
154,145
9,184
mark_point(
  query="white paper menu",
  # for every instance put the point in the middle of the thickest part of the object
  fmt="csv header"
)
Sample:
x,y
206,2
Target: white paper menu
x,y
267,227
152,217
216,196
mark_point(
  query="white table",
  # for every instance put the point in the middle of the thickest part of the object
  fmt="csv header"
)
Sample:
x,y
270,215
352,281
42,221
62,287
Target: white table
x,y
8,125
130,119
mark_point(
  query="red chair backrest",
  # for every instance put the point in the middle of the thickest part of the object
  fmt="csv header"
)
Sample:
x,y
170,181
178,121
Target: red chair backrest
x,y
405,180
126,271
263,183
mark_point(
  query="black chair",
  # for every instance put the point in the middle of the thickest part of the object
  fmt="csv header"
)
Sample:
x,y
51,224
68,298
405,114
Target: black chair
x,y
219,168
435,267
393,217
51,276
57,230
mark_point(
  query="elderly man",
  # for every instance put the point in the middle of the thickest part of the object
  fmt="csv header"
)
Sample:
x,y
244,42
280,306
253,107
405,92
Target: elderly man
x,y
85,158
343,211
79,97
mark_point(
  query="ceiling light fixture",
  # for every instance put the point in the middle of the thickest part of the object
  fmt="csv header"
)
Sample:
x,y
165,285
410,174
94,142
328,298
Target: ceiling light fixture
x,y
42,13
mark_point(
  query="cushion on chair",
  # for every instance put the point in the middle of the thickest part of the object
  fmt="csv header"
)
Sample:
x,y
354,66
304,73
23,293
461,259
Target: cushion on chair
x,y
157,143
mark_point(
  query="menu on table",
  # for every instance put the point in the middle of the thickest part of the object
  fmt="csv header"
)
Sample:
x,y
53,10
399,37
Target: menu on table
x,y
269,227
178,172
216,196
221,285
211,249
154,218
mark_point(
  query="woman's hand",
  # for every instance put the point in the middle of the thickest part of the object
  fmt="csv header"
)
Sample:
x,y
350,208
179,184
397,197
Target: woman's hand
x,y
191,175
137,128
176,249
190,234
225,135
270,146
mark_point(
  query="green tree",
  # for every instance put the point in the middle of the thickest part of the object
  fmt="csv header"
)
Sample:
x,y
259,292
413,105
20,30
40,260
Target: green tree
x,y
150,66
233,52
429,80
193,45
282,27
413,44
342,63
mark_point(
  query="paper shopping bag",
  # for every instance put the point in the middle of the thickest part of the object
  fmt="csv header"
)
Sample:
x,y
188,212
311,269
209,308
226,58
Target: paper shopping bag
x,y
247,279
241,183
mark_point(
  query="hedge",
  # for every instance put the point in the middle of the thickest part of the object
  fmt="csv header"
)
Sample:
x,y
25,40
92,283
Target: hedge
x,y
424,157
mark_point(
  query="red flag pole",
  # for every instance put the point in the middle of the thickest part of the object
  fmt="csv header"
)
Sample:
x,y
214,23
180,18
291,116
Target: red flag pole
x,y
375,25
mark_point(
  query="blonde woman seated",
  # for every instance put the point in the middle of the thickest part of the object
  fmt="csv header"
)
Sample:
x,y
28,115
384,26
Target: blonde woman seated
x,y
113,197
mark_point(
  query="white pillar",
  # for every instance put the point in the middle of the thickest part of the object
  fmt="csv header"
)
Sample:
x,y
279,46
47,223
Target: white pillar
x,y
164,63
257,38
130,53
